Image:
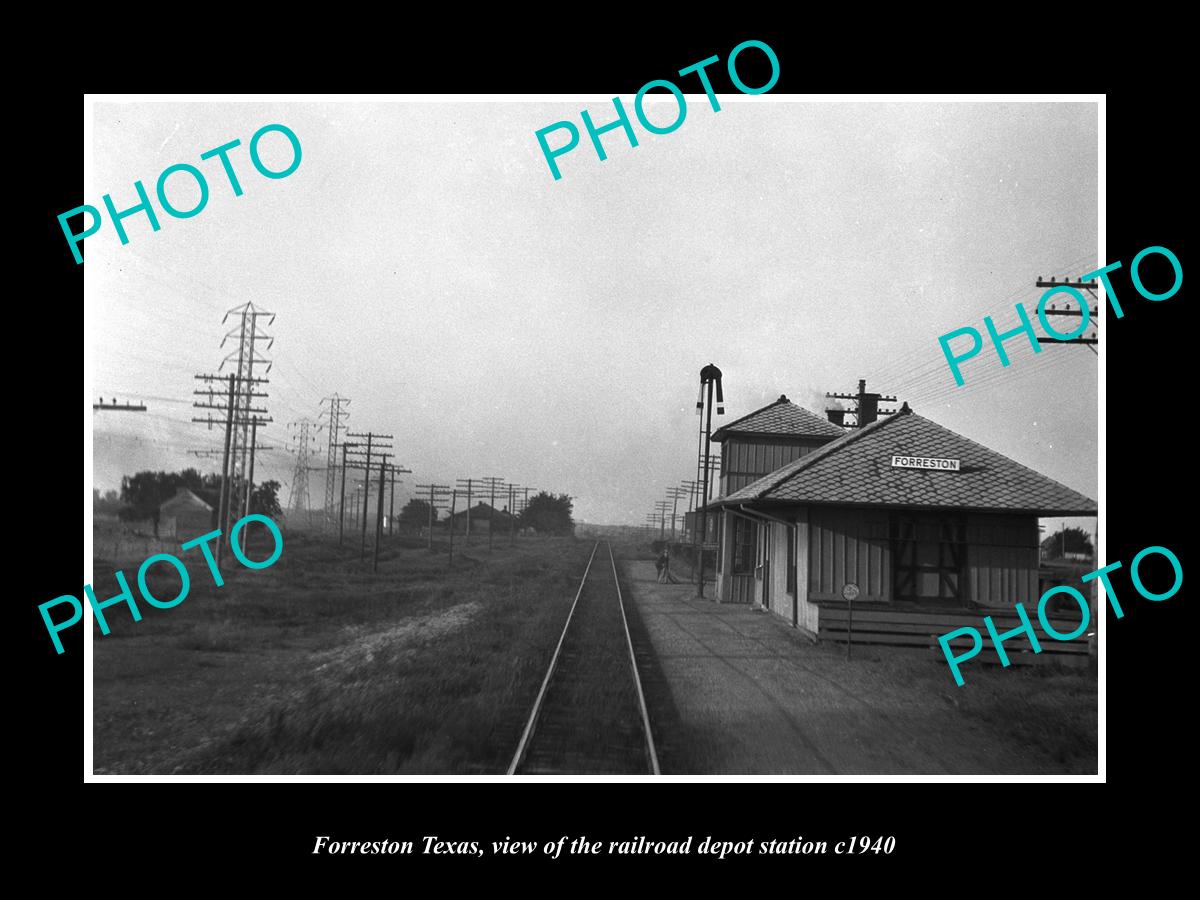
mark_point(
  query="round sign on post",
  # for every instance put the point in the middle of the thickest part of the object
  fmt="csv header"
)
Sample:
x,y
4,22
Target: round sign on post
x,y
849,594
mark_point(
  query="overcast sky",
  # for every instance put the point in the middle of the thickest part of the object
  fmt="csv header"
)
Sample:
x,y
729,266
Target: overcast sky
x,y
423,262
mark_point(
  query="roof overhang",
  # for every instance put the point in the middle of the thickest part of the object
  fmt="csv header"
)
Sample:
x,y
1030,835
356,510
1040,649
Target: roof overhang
x,y
770,506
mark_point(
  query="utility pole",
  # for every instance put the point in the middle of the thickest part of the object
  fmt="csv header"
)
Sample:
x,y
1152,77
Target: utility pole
x,y
525,502
342,505
392,504
660,507
512,514
1090,287
237,412
491,483
674,493
866,408
469,484
374,442
223,502
453,503
691,487
114,407
710,379
337,413
437,493
383,466
247,335
250,477
394,470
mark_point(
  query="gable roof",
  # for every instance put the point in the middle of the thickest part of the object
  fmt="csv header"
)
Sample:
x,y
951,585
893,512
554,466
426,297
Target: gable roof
x,y
857,470
483,510
184,499
783,417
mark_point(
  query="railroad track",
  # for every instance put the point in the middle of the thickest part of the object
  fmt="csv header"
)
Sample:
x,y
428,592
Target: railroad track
x,y
590,716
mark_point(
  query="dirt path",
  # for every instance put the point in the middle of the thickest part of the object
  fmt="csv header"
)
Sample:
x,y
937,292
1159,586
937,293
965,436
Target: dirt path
x,y
750,695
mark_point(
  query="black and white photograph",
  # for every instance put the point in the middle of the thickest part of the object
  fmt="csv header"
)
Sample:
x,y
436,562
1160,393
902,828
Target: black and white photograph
x,y
492,437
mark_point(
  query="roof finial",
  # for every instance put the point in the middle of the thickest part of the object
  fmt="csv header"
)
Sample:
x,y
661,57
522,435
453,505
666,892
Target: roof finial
x,y
905,409
782,399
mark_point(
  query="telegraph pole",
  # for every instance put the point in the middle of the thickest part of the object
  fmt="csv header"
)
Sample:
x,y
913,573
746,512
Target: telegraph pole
x,y
238,413
525,502
660,507
512,517
379,513
491,483
866,409
1090,287
469,484
394,470
247,356
392,504
436,494
223,502
250,477
374,442
674,493
342,505
114,407
453,503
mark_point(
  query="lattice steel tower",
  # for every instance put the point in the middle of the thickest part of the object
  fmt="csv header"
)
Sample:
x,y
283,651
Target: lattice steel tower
x,y
334,428
303,445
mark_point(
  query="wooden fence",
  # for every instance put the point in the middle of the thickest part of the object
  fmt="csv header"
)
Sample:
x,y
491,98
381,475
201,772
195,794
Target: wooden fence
x,y
919,632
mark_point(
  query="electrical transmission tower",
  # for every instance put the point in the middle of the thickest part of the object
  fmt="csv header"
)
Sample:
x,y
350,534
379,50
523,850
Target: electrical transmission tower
x,y
245,358
334,428
303,445
1076,336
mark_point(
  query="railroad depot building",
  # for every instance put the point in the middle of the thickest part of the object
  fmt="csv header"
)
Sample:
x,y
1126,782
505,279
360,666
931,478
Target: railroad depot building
x,y
481,518
929,526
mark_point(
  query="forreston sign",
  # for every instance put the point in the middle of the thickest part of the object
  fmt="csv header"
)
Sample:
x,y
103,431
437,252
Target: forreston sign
x,y
924,462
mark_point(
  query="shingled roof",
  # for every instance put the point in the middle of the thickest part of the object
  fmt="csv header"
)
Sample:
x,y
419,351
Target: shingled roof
x,y
857,470
783,417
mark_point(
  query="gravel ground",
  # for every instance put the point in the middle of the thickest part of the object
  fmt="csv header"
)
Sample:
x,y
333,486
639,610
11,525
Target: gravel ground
x,y
734,690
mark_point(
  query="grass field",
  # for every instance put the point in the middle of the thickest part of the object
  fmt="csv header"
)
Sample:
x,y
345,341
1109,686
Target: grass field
x,y
317,666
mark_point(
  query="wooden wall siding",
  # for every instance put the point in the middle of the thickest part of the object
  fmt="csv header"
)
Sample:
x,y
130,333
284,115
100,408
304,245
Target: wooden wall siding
x,y
897,628
780,600
742,589
1002,560
807,614
849,545
743,462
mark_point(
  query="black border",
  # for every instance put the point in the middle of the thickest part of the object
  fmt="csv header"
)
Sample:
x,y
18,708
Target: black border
x,y
940,828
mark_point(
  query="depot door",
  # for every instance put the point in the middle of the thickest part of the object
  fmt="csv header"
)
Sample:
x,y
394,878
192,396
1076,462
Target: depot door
x,y
928,553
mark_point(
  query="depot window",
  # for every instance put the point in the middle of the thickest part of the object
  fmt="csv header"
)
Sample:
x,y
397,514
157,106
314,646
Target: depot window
x,y
743,546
